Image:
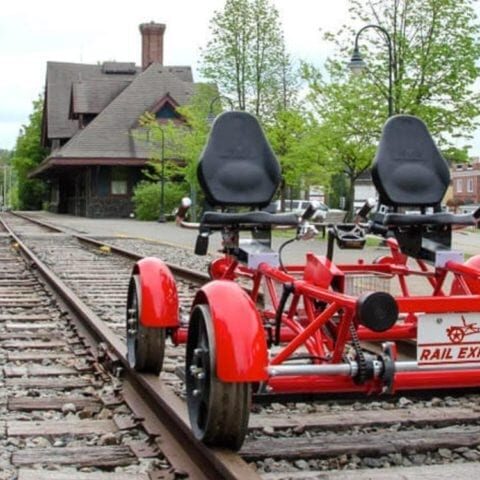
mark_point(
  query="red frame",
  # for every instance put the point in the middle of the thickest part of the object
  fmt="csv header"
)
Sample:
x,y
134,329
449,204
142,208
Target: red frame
x,y
305,327
318,319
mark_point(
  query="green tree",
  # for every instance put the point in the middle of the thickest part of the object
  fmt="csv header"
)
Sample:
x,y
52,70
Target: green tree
x,y
5,178
4,156
348,128
435,52
247,59
435,48
182,142
245,53
302,158
147,197
28,153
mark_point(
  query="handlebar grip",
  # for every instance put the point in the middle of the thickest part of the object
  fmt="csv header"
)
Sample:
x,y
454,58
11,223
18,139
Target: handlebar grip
x,y
309,211
366,208
476,214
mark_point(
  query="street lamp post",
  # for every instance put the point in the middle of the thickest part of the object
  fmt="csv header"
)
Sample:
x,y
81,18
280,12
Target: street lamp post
x,y
211,115
161,217
357,64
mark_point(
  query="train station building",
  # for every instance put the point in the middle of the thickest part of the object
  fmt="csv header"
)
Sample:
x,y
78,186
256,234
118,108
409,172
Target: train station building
x,y
91,126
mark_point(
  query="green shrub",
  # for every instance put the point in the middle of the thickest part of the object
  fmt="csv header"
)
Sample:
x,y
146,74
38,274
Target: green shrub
x,y
147,195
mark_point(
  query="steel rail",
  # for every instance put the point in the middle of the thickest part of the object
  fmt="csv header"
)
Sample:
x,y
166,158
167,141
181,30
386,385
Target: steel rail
x,y
161,411
185,273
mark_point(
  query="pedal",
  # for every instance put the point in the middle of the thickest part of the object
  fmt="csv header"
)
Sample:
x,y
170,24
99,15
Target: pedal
x,y
349,237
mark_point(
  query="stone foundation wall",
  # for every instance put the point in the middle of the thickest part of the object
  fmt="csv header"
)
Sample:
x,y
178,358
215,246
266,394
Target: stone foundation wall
x,y
108,207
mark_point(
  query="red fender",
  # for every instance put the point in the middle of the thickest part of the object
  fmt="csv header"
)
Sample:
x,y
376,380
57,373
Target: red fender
x,y
241,348
159,298
473,283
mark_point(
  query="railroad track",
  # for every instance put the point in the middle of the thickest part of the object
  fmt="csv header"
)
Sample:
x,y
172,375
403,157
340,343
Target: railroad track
x,y
140,441
60,408
299,438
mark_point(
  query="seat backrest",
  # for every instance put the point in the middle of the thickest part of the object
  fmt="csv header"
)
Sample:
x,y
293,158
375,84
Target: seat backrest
x,y
408,169
237,166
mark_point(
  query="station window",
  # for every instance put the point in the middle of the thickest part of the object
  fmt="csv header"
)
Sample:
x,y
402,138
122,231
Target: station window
x,y
119,183
469,185
459,185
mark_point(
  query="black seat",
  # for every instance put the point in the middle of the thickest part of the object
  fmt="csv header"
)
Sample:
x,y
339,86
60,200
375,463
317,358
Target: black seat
x,y
409,171
238,166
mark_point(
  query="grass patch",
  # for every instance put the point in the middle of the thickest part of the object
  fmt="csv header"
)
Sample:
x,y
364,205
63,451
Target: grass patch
x,y
374,241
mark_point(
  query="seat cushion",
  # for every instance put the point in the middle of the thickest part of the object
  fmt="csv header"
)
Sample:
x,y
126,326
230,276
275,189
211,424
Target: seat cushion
x,y
249,218
238,166
408,169
406,220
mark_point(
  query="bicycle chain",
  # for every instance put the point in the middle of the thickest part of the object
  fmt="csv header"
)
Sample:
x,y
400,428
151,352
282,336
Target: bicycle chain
x,y
362,373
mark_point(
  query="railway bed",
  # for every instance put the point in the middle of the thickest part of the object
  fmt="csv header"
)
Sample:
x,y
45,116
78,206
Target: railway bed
x,y
322,438
166,442
58,406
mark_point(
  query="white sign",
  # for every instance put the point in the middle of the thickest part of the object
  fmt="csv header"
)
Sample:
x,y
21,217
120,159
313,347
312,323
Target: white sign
x,y
450,338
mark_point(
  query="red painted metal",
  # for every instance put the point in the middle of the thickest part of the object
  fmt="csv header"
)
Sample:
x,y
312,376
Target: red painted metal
x,y
403,331
222,268
402,381
241,349
468,280
441,379
304,335
159,303
318,317
319,384
460,303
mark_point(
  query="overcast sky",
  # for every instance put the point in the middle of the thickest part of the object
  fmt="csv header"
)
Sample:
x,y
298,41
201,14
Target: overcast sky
x,y
31,33
91,31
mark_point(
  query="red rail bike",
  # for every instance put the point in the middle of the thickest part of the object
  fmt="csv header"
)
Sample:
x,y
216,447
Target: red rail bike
x,y
261,325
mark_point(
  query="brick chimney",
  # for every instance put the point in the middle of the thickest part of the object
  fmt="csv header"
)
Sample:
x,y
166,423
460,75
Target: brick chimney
x,y
152,43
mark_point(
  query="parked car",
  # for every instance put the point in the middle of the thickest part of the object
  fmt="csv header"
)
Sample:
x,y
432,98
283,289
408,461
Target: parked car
x,y
298,207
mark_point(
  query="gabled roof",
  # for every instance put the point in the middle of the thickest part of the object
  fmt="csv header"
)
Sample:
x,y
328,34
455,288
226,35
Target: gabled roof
x,y
60,78
118,99
85,79
165,103
92,96
111,133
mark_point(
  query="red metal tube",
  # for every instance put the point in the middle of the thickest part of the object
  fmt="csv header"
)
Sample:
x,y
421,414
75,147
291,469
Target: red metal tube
x,y
460,303
397,332
419,380
424,379
302,337
319,384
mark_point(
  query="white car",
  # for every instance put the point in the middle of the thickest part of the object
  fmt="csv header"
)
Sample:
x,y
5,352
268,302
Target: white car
x,y
299,206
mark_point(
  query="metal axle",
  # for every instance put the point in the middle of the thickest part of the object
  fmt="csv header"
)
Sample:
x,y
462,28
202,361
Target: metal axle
x,y
351,369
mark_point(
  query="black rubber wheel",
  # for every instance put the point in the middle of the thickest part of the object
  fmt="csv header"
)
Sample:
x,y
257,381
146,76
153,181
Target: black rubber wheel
x,y
218,410
145,345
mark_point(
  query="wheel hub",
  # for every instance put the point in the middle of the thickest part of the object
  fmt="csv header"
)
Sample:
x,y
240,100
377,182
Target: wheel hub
x,y
197,371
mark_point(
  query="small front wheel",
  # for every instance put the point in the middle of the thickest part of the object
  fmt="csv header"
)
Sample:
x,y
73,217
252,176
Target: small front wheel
x,y
145,345
218,410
